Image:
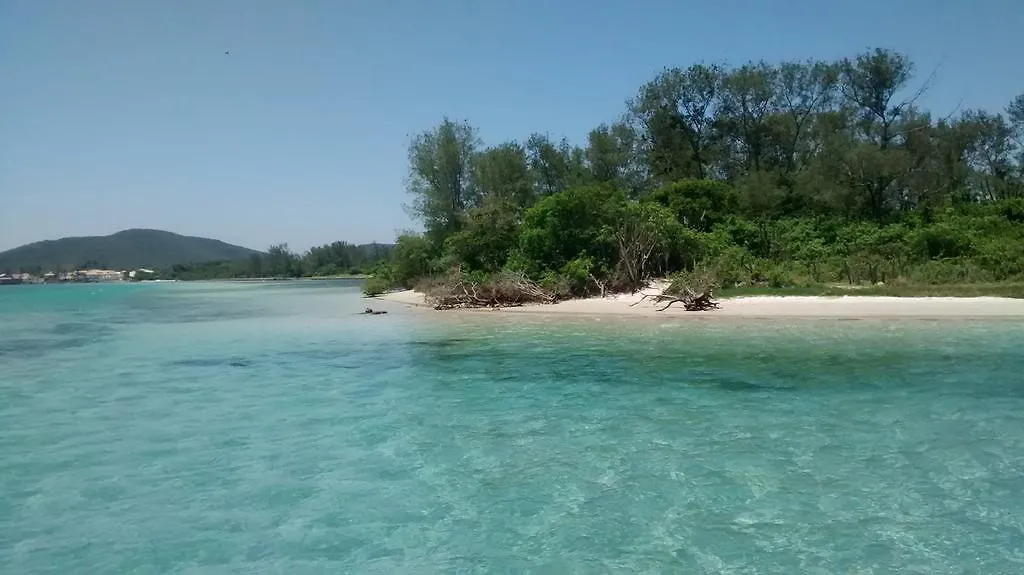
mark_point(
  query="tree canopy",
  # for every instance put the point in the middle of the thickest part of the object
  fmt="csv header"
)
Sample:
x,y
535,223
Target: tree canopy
x,y
766,173
334,259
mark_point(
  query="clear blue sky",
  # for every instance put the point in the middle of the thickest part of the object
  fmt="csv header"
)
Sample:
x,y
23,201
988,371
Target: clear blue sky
x,y
119,114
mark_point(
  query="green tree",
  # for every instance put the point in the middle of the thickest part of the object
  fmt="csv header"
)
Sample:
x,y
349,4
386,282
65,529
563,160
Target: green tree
x,y
1015,112
746,103
441,176
665,146
691,96
697,204
489,236
871,85
502,175
991,155
764,174
577,222
611,158
412,259
280,262
648,237
555,167
804,90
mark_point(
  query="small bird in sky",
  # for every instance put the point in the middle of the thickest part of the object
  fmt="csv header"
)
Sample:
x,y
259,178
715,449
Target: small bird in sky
x,y
227,52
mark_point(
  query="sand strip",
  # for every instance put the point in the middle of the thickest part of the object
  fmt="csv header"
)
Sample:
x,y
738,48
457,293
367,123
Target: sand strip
x,y
768,307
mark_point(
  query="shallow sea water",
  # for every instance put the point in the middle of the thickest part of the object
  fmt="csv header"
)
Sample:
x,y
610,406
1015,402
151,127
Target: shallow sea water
x,y
269,428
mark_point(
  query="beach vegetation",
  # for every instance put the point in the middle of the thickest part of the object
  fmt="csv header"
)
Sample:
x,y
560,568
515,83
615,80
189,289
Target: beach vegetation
x,y
809,176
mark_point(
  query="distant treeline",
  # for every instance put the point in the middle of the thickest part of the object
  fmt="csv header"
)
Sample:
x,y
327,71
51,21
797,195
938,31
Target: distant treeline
x,y
338,258
764,174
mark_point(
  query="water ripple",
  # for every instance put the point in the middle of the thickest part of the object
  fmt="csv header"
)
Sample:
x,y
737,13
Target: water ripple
x,y
312,440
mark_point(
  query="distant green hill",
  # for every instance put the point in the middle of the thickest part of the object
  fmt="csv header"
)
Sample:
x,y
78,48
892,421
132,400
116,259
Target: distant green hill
x,y
124,250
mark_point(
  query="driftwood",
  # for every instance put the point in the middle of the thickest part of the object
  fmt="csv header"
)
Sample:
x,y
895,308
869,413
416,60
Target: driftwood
x,y
506,290
691,301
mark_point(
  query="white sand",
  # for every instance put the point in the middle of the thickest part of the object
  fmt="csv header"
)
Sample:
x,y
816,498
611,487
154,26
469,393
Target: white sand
x,y
770,306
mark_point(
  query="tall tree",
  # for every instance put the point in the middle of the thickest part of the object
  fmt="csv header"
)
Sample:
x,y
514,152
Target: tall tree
x,y
1015,112
990,155
746,101
690,95
667,148
804,90
871,84
281,262
555,167
610,156
441,176
502,175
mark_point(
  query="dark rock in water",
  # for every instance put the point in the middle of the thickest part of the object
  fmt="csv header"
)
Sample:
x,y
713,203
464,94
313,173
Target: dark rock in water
x,y
370,311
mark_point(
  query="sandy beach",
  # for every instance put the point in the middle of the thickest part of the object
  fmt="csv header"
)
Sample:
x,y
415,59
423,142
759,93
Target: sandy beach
x,y
764,306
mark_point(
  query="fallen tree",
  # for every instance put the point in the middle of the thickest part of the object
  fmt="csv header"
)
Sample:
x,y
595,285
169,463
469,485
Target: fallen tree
x,y
694,290
691,302
505,289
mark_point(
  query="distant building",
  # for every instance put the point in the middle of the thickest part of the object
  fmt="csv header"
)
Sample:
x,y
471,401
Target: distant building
x,y
141,274
97,275
19,278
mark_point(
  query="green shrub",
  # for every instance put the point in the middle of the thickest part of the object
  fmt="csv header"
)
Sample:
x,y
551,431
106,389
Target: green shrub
x,y
697,204
557,284
942,240
376,285
1013,210
950,271
578,221
577,275
1003,259
412,259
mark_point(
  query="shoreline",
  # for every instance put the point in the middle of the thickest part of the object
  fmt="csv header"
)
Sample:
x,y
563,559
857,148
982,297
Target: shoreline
x,y
757,307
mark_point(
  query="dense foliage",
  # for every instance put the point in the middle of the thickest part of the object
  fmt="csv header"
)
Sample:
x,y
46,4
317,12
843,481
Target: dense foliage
x,y
792,174
336,259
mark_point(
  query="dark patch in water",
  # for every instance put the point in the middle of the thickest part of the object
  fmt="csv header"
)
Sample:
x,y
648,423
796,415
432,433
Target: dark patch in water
x,y
312,354
211,362
441,343
189,316
25,347
739,385
168,309
80,329
55,338
331,357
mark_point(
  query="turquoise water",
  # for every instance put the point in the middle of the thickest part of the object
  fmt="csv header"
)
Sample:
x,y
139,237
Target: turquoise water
x,y
268,428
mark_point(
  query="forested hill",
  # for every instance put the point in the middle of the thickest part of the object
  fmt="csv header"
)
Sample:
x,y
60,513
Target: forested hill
x,y
128,249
